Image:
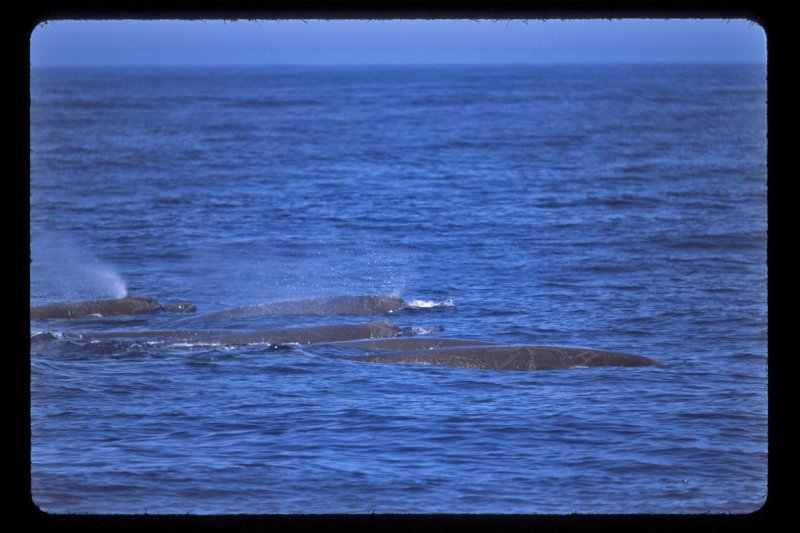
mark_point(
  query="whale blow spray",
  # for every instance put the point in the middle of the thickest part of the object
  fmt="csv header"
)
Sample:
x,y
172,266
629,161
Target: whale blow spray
x,y
61,269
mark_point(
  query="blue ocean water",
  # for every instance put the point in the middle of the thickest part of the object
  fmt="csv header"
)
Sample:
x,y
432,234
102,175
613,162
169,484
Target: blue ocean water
x,y
614,207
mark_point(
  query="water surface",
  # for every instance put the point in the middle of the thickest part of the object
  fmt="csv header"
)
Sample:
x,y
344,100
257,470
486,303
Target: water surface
x,y
613,207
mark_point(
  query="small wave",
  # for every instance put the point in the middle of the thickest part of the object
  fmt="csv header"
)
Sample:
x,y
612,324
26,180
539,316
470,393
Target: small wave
x,y
46,335
200,345
261,103
218,345
428,304
53,335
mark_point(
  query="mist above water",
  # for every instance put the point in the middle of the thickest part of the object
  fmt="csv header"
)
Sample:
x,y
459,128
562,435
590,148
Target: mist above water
x,y
285,274
63,269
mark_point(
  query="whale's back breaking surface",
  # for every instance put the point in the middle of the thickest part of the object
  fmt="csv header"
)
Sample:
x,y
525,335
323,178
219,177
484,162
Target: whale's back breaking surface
x,y
408,343
298,335
510,358
316,334
180,307
337,305
122,306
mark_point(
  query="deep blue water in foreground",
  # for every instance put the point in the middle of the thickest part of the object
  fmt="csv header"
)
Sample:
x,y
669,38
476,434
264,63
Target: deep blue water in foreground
x,y
612,207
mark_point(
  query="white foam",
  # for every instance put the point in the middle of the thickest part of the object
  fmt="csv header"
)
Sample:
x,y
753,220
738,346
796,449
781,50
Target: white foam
x,y
426,331
429,304
47,334
190,344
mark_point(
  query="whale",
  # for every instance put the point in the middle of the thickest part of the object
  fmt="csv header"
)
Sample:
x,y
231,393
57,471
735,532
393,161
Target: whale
x,y
506,357
180,307
407,343
297,335
121,306
337,305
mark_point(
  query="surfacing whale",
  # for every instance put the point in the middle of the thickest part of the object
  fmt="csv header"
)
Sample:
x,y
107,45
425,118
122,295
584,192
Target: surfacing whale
x,y
408,343
502,357
299,335
336,305
122,306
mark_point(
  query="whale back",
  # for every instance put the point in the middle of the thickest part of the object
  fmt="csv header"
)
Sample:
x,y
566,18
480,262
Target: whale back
x,y
408,343
299,335
510,358
337,305
180,307
121,306
315,334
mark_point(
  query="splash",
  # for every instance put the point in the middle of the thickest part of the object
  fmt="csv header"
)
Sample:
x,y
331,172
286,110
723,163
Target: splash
x,y
61,269
429,304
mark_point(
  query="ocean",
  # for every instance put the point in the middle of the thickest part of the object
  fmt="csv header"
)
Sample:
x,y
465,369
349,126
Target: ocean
x,y
616,207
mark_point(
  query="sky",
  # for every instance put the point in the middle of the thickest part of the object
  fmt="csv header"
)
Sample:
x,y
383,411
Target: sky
x,y
320,42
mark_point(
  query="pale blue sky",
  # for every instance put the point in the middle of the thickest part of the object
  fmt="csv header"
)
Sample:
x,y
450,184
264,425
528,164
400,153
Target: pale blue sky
x,y
176,42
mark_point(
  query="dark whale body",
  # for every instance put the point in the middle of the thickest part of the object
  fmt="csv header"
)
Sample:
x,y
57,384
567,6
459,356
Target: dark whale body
x,y
337,305
181,307
299,335
121,306
510,358
408,343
